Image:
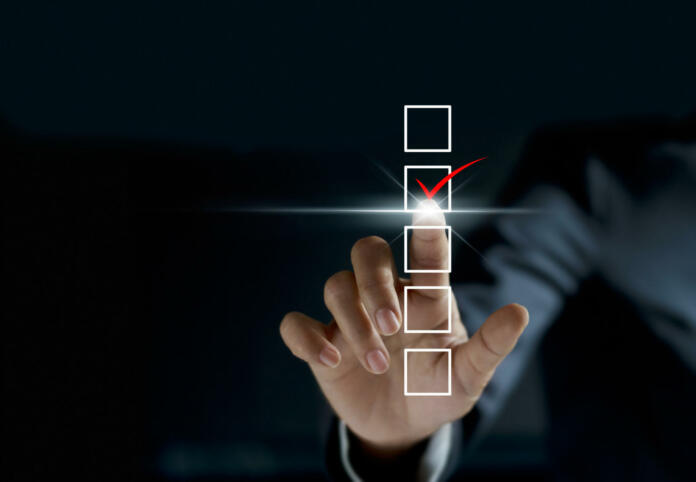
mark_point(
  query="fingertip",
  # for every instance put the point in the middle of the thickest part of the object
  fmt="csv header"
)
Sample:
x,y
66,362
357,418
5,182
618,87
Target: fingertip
x,y
285,323
518,314
330,356
377,362
508,322
368,244
504,327
290,333
387,321
428,213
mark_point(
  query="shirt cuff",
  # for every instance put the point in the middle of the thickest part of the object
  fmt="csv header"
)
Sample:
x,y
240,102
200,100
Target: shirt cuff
x,y
432,464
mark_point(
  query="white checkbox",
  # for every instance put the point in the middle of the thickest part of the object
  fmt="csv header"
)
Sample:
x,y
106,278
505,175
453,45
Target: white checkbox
x,y
449,308
449,372
407,193
449,127
448,229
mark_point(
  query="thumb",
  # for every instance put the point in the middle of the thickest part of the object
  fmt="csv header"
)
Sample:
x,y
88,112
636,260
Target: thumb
x,y
475,360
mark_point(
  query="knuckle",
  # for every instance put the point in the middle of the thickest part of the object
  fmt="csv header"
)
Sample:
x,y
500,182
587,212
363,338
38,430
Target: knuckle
x,y
381,280
337,285
362,338
481,383
365,245
428,259
488,346
430,254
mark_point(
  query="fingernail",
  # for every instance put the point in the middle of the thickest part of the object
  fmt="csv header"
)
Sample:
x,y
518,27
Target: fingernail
x,y
330,357
387,321
377,361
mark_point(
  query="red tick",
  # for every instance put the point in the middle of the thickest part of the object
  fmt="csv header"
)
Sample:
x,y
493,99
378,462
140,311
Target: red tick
x,y
444,180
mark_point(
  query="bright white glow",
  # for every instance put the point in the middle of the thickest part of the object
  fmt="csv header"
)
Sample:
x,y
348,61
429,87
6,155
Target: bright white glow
x,y
407,193
365,210
428,206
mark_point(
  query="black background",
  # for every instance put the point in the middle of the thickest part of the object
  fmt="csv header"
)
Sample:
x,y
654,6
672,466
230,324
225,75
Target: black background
x,y
140,327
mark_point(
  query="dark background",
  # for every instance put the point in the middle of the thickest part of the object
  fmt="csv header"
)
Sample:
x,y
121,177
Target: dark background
x,y
140,322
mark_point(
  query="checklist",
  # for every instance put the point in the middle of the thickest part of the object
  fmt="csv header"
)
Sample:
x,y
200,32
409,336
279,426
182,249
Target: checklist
x,y
430,182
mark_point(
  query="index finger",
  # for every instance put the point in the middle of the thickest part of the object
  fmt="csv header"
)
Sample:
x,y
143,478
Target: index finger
x,y
429,248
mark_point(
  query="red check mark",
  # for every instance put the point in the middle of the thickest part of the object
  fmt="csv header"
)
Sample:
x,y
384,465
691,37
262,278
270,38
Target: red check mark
x,y
444,180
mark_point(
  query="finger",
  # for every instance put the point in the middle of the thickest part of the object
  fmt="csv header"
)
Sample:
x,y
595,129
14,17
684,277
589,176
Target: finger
x,y
343,301
376,276
476,360
306,339
429,249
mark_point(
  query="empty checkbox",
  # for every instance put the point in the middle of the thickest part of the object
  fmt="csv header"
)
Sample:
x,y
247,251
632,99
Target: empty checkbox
x,y
418,326
427,128
446,264
426,386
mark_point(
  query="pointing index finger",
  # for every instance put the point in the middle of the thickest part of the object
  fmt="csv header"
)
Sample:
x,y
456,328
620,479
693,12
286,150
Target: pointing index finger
x,y
429,249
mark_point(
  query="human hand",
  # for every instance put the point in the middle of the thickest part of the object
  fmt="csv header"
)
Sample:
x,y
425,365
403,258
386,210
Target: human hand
x,y
358,358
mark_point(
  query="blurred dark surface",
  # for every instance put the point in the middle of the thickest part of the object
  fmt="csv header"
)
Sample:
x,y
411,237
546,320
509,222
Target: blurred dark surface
x,y
140,334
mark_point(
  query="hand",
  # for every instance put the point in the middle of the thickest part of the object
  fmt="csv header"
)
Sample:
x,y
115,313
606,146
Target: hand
x,y
358,358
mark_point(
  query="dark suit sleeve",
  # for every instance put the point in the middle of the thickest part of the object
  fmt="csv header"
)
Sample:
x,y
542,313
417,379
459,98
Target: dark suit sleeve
x,y
564,200
431,460
576,182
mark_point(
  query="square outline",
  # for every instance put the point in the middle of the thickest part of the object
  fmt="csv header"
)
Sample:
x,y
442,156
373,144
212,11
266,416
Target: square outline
x,y
449,187
449,239
449,127
449,308
449,373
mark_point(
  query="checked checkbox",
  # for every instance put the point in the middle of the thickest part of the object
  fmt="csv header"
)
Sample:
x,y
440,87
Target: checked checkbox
x,y
429,175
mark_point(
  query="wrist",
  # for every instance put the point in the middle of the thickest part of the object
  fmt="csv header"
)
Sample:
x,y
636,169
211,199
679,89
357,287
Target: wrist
x,y
385,451
367,460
